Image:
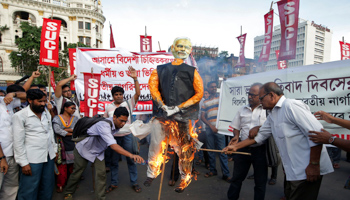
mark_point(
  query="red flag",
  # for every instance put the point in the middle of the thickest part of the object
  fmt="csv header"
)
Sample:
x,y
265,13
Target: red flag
x,y
72,61
281,64
265,52
344,50
111,41
145,43
91,93
50,42
289,15
52,80
241,59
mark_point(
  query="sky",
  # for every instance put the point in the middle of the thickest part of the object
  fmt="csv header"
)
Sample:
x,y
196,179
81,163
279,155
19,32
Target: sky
x,y
212,23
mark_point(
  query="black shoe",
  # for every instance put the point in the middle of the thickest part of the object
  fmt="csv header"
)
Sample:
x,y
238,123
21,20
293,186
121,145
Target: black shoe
x,y
179,189
148,182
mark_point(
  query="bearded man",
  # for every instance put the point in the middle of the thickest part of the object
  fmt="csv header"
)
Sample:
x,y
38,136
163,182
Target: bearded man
x,y
176,89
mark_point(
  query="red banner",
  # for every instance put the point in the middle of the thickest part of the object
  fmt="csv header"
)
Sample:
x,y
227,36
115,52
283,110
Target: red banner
x,y
145,43
72,62
289,15
344,50
49,45
280,64
111,39
241,58
91,93
265,52
52,80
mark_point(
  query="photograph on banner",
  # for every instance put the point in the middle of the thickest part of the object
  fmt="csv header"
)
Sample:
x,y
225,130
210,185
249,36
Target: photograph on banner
x,y
322,87
112,66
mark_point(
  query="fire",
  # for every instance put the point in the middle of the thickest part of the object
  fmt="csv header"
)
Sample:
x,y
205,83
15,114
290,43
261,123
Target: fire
x,y
187,145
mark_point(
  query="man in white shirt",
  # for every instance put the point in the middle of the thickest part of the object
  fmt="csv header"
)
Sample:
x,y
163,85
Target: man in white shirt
x,y
289,122
64,94
9,181
123,137
34,148
247,117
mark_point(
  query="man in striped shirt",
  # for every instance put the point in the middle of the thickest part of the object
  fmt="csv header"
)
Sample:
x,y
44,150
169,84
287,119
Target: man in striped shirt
x,y
214,140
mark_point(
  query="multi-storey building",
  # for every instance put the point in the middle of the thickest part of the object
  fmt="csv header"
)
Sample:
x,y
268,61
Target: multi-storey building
x,y
81,21
199,51
313,45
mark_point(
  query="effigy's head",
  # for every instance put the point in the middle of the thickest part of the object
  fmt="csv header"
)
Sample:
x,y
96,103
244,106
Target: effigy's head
x,y
181,47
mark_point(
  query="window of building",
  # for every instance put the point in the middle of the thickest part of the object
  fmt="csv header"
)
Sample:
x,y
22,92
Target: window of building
x,y
96,43
87,25
0,37
87,6
79,5
96,28
81,25
81,39
1,65
88,41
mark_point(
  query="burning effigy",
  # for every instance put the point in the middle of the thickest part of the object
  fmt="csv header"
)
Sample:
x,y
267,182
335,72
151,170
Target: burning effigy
x,y
176,89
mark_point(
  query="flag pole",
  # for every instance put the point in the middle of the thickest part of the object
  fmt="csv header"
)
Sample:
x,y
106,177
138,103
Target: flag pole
x,y
49,65
161,48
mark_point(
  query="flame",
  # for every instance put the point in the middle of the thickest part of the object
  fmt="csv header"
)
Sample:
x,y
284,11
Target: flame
x,y
188,149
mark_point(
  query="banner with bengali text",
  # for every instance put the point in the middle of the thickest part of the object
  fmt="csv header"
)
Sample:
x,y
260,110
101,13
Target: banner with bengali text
x,y
344,50
289,15
113,65
324,86
265,51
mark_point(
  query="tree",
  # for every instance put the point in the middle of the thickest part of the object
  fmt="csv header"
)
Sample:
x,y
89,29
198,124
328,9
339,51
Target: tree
x,y
223,54
27,56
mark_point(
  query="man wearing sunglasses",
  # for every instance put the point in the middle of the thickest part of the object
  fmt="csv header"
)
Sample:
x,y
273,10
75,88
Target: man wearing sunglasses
x,y
289,122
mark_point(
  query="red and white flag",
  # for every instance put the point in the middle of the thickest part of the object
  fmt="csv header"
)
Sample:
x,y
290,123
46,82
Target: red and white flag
x,y
91,93
111,40
344,50
265,52
52,80
280,64
49,45
145,43
289,15
72,63
241,58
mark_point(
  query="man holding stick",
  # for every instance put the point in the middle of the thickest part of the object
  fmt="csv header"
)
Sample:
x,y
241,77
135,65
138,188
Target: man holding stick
x,y
289,122
247,117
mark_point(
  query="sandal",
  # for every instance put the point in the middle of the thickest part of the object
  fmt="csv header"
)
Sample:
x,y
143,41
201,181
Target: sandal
x,y
336,166
272,181
148,182
137,188
210,174
195,172
226,178
111,188
68,197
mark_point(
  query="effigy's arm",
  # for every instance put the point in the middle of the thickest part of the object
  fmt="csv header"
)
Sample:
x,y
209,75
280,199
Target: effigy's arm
x,y
198,88
153,84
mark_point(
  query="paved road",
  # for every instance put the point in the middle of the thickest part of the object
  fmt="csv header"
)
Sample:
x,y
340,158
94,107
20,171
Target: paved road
x,y
213,188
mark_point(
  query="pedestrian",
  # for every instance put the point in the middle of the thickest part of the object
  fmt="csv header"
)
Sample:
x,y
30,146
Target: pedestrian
x,y
289,122
123,137
63,126
64,94
34,148
214,139
9,180
247,117
91,149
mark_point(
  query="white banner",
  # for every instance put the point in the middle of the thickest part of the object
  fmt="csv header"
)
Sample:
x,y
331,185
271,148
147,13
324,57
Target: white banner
x,y
322,87
113,65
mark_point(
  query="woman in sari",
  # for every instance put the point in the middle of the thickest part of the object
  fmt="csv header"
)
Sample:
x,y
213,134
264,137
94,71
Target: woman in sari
x,y
63,126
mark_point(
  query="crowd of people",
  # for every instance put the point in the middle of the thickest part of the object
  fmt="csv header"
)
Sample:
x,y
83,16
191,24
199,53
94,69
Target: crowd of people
x,y
36,137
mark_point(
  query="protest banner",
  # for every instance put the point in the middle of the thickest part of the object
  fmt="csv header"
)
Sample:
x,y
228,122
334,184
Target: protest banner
x,y
113,65
322,87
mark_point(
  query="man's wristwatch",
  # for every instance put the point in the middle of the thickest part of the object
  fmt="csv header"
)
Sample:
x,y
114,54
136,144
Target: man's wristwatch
x,y
331,139
2,157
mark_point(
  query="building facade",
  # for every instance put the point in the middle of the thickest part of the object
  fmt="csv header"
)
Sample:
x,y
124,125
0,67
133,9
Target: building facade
x,y
81,21
313,45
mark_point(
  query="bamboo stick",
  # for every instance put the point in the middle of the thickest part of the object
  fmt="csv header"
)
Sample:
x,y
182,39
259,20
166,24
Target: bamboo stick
x,y
221,151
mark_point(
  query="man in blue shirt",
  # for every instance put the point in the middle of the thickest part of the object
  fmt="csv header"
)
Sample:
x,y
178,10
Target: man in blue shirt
x,y
92,149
